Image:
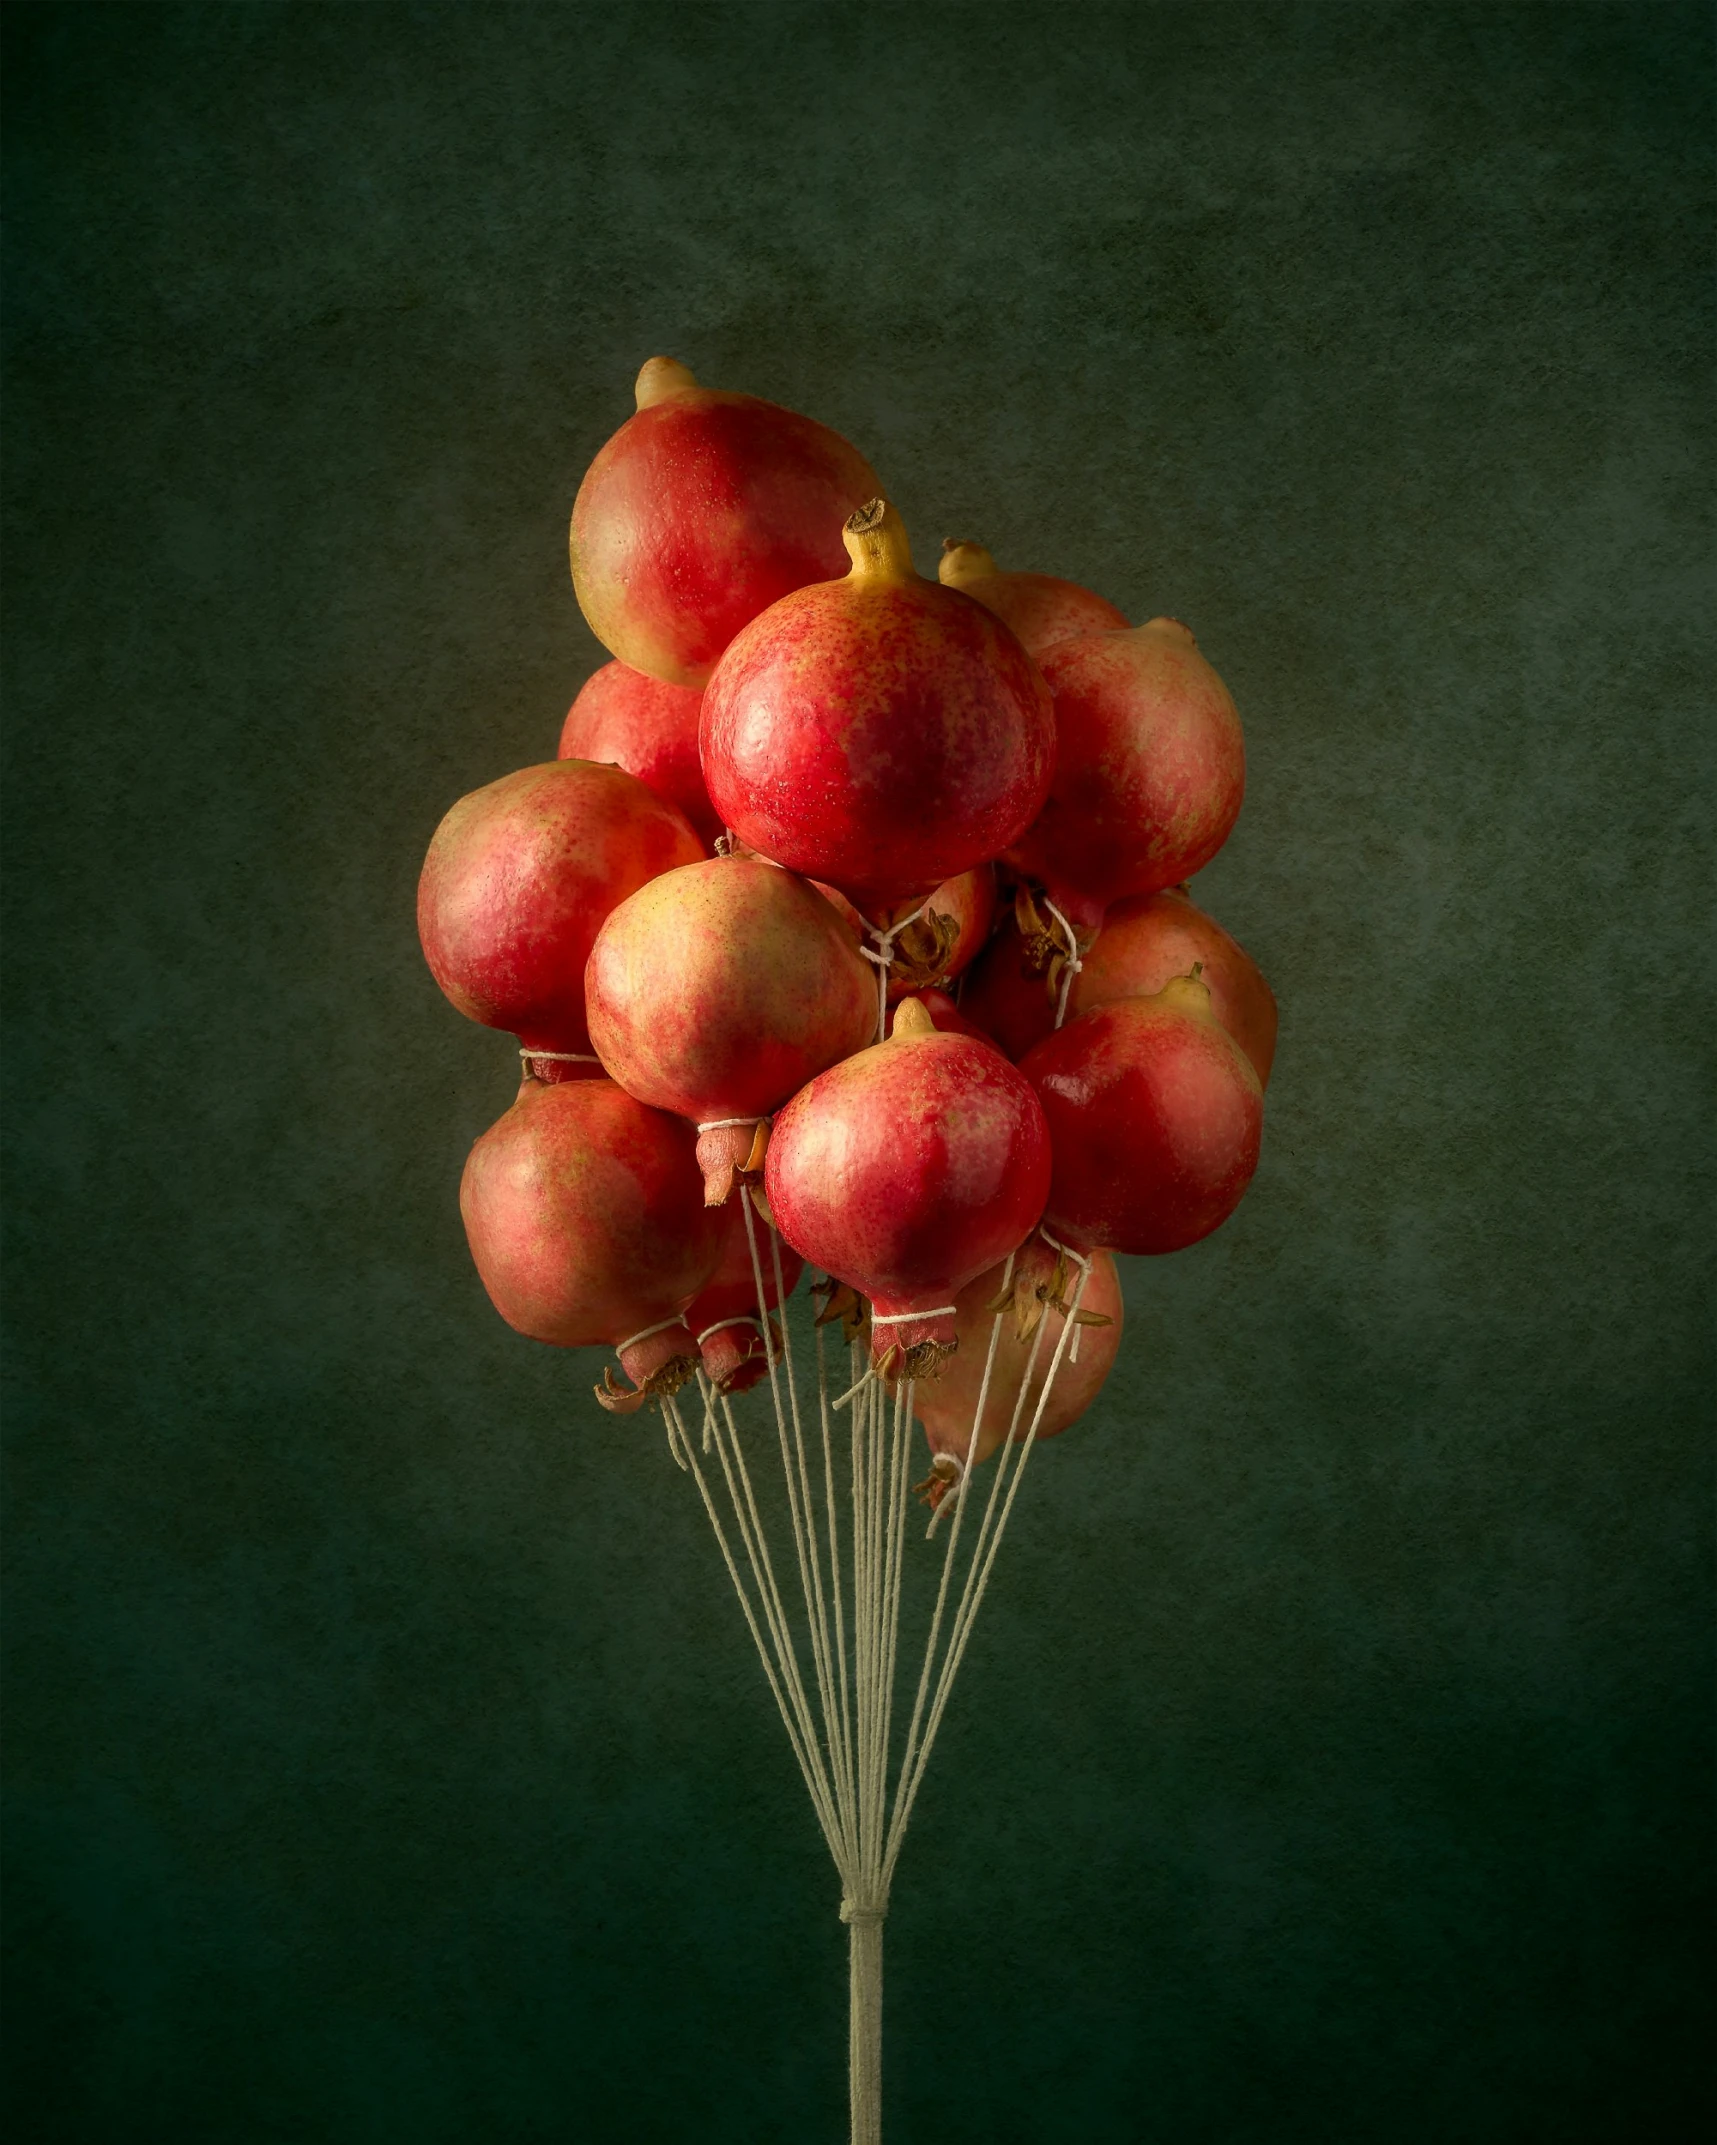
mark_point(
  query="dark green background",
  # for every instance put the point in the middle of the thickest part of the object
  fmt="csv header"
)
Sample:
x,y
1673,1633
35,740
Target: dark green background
x,y
387,1757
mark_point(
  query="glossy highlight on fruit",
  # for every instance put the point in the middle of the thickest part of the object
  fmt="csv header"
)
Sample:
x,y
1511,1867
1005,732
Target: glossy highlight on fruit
x,y
703,510
518,880
1040,608
1155,1116
1150,769
907,1170
651,729
880,732
585,1216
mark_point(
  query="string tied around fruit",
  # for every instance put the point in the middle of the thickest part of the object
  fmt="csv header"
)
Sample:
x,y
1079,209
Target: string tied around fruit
x,y
881,955
1071,965
1054,949
656,1365
531,1059
1056,1296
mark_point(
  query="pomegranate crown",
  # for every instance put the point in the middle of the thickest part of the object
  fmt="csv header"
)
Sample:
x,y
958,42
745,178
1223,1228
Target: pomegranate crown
x,y
877,544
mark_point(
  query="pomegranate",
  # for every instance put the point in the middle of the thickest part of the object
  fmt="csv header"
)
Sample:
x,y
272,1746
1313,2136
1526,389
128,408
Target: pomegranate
x,y
1155,1114
951,1019
718,990
904,1172
518,879
1146,940
704,509
928,942
1039,608
651,729
1149,771
1043,1281
726,1321
880,732
586,1219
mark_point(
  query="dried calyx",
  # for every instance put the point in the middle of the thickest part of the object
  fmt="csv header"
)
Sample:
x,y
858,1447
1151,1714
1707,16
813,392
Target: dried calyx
x,y
1044,940
658,1363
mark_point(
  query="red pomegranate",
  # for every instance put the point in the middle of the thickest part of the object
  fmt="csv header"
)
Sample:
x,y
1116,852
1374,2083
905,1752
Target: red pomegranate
x,y
904,1172
725,1320
651,729
518,879
701,511
585,1215
880,732
1039,1293
1145,942
1039,608
1149,769
1154,1114
718,990
933,940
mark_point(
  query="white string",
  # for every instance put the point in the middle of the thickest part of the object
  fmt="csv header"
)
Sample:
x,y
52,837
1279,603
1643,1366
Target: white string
x,y
842,1741
853,1391
561,1057
844,1722
746,1318
720,1124
1074,963
661,1326
972,1599
769,1594
1084,1264
818,1800
810,1562
901,1318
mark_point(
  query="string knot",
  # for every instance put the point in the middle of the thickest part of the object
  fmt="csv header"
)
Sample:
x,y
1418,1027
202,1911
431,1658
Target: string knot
x,y
866,1916
1071,964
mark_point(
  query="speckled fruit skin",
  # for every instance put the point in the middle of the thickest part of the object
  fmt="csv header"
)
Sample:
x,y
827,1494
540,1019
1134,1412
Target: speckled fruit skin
x,y
1149,774
1155,1116
518,880
1144,942
881,733
651,729
734,1358
1040,608
584,1211
701,511
908,1169
721,988
946,1405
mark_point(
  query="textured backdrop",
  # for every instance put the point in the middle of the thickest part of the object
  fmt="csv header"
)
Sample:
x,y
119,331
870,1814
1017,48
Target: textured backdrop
x,y
387,1758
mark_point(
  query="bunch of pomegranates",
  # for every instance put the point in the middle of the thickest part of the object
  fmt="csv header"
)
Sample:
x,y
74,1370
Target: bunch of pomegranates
x,y
853,908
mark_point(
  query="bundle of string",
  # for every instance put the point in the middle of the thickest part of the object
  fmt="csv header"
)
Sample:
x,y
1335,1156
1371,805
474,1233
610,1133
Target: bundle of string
x,y
840,1722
